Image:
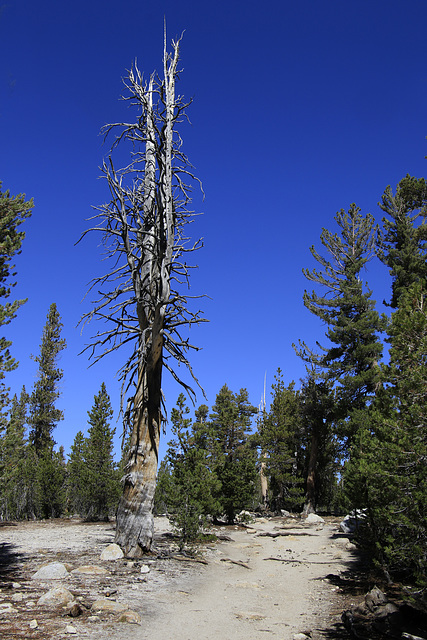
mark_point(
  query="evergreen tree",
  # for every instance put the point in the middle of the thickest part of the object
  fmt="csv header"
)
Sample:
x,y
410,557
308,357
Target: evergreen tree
x,y
45,467
390,479
14,489
76,467
403,245
279,438
233,459
44,415
347,308
102,489
187,485
317,407
13,211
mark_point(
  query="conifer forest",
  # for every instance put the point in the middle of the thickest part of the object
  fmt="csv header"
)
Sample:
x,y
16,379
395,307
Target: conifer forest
x,y
350,436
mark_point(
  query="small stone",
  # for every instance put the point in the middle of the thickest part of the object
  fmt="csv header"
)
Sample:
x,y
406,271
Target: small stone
x,y
70,629
300,636
30,604
75,610
103,604
90,569
250,615
131,617
56,596
51,571
16,585
145,568
34,624
17,597
130,563
93,619
112,552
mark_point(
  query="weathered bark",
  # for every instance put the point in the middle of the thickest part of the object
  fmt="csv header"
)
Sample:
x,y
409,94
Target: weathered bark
x,y
310,496
143,231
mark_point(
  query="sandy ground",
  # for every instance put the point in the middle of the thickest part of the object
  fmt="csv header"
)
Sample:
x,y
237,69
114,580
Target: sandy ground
x,y
253,585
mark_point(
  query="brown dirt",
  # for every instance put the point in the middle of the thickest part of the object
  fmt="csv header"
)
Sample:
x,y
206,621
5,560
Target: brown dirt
x,y
295,579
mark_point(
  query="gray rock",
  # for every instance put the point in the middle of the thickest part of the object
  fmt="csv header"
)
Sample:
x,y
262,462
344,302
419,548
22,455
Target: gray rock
x,y
70,629
51,571
112,552
352,520
131,617
55,597
375,598
313,518
145,568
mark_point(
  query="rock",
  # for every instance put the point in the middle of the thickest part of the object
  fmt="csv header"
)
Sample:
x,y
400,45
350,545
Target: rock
x,y
17,597
33,624
103,604
55,597
30,604
6,607
284,513
250,615
300,636
16,585
375,598
313,518
131,617
91,569
145,568
93,619
70,629
51,571
112,552
75,610
352,520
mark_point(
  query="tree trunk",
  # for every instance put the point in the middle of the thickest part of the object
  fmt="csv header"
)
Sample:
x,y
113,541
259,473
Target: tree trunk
x,y
310,497
135,522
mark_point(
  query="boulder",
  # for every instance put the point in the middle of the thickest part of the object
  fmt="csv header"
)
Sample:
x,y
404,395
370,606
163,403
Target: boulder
x,y
55,597
112,552
352,520
313,518
51,571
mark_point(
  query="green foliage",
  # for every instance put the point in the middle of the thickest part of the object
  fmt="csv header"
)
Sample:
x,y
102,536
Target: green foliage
x,y
232,457
94,486
50,489
13,211
279,439
403,245
14,487
44,414
351,362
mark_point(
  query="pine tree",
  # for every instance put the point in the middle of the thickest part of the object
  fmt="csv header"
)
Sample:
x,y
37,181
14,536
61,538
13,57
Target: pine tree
x,y
102,489
44,415
346,307
14,489
45,466
279,439
76,483
187,485
233,459
13,211
403,245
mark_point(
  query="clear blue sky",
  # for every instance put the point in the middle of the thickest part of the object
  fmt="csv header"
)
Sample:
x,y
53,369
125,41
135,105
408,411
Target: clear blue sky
x,y
300,108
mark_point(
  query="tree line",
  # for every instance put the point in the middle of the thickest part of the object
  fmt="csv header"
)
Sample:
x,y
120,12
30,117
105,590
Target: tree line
x,y
353,435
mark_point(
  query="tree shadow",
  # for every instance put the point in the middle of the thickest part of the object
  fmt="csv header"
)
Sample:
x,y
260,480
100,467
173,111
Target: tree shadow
x,y
10,561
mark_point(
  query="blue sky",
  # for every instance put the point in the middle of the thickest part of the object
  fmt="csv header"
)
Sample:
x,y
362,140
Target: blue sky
x,y
300,108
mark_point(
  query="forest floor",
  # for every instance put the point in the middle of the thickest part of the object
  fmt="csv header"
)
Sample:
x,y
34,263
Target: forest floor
x,y
273,578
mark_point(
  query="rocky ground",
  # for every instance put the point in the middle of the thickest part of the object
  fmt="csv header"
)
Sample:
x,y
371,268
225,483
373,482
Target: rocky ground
x,y
276,578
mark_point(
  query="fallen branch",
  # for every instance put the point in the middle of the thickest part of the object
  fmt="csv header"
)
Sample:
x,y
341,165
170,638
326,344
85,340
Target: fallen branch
x,y
301,561
276,534
239,562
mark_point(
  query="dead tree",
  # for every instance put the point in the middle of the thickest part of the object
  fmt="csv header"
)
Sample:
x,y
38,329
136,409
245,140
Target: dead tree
x,y
144,233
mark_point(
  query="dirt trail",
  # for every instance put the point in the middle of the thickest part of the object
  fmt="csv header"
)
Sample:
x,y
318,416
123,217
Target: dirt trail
x,y
253,586
267,597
